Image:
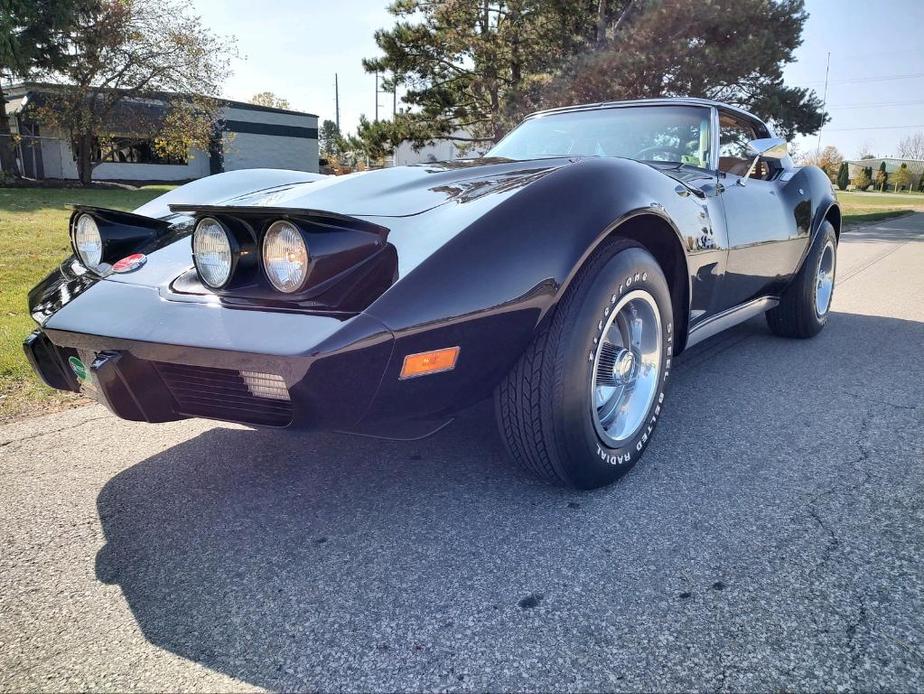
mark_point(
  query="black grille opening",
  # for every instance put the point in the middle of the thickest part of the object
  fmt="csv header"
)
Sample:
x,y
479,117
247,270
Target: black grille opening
x,y
201,391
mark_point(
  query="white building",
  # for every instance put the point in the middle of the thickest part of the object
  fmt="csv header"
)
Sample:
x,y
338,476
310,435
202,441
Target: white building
x,y
892,164
439,150
251,137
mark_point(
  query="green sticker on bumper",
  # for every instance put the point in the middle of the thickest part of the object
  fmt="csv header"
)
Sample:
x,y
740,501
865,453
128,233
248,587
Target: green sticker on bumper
x,y
78,367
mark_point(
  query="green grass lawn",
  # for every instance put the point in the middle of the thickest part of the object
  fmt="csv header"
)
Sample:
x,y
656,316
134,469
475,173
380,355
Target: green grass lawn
x,y
869,207
33,240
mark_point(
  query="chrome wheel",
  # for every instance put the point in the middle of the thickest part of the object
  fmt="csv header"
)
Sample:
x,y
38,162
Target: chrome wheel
x,y
627,365
824,280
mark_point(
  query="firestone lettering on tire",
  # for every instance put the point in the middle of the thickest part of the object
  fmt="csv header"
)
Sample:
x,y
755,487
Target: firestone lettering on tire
x,y
625,456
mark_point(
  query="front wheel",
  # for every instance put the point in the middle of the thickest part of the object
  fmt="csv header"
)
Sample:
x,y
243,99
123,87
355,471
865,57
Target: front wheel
x,y
580,406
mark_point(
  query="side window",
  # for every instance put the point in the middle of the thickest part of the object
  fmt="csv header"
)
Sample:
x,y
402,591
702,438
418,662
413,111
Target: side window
x,y
734,135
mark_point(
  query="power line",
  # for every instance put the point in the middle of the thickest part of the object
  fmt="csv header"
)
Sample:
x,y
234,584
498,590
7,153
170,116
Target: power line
x,y
863,56
886,78
872,104
882,78
875,127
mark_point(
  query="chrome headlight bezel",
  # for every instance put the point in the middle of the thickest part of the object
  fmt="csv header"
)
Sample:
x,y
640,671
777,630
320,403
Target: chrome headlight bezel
x,y
81,224
233,250
295,238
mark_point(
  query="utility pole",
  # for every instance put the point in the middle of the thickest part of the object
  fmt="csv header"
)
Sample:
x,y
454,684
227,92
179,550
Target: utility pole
x,y
824,100
376,97
394,101
337,101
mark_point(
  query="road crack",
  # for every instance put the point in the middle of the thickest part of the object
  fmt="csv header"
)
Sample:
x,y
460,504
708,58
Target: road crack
x,y
859,622
862,620
48,432
866,398
847,276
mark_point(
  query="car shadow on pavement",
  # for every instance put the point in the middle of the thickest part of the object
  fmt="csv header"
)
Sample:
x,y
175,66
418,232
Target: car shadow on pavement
x,y
292,560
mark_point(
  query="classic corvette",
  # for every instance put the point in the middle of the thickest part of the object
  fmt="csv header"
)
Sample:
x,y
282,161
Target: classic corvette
x,y
560,273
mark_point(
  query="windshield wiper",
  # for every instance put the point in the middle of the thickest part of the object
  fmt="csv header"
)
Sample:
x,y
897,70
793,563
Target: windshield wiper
x,y
673,165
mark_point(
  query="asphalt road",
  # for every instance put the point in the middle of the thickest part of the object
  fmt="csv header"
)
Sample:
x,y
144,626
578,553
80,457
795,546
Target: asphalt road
x,y
772,537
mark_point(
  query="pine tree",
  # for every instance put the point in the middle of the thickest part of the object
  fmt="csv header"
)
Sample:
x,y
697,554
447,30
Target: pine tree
x,y
843,176
330,139
474,68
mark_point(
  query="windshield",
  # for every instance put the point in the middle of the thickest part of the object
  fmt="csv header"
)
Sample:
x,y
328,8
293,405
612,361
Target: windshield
x,y
678,134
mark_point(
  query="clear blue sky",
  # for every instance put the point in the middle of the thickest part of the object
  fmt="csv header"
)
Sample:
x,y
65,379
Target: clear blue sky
x,y
294,47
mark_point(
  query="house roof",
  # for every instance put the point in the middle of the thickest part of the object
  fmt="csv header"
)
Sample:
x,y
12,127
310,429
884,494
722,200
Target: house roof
x,y
915,166
31,90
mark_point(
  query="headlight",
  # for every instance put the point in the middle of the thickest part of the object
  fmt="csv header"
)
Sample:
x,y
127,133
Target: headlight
x,y
87,241
285,256
212,253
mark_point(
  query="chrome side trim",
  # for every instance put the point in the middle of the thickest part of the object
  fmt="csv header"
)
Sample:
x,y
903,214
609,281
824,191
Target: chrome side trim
x,y
729,318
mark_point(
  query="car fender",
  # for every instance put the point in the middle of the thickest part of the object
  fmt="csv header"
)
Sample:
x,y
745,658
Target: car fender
x,y
822,199
489,288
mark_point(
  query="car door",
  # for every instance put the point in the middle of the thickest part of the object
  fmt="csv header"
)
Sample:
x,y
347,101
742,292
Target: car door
x,y
764,242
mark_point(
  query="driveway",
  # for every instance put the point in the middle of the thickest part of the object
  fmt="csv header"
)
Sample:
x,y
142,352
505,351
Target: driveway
x,y
772,537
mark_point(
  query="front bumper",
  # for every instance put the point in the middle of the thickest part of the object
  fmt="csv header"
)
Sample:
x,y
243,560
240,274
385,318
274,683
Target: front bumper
x,y
151,391
151,359
155,383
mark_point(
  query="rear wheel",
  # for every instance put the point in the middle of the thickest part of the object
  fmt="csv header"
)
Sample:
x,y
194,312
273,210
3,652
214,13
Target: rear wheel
x,y
580,406
804,306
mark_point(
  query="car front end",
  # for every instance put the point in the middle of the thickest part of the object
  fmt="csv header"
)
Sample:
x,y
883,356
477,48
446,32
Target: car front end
x,y
151,340
262,309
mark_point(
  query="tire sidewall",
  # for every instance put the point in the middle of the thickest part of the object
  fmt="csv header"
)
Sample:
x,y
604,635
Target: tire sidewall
x,y
592,461
825,234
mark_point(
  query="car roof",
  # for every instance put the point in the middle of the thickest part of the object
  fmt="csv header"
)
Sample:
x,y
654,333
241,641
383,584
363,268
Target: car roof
x,y
663,101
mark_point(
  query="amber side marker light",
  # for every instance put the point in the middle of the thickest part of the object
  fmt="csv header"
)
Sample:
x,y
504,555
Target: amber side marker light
x,y
425,363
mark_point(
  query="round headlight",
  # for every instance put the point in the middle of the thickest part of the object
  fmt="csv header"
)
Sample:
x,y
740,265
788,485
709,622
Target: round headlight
x,y
87,241
212,253
285,256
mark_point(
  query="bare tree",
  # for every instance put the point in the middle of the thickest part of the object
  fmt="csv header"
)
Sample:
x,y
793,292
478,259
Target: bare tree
x,y
912,147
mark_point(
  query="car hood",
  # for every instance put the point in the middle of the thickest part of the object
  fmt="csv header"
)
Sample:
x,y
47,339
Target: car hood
x,y
399,191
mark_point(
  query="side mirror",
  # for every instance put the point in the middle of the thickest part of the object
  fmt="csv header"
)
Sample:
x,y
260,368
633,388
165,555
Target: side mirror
x,y
769,148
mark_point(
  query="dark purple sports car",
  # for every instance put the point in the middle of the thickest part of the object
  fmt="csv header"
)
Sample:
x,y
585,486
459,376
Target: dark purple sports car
x,y
559,274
